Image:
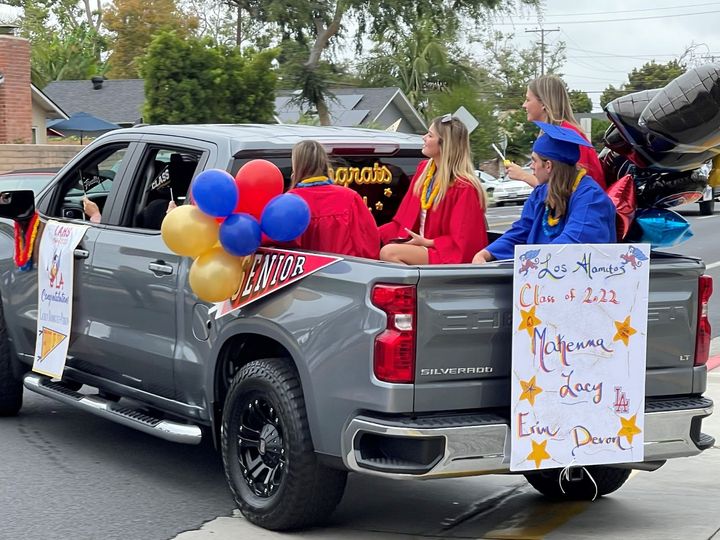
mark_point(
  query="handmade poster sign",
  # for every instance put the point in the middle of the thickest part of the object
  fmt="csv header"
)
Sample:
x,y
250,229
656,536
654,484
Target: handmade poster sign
x,y
55,295
579,344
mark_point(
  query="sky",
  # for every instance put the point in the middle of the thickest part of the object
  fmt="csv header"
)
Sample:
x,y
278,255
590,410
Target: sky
x,y
606,40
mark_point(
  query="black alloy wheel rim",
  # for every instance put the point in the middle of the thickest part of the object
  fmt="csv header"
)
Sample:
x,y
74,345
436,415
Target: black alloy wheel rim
x,y
260,447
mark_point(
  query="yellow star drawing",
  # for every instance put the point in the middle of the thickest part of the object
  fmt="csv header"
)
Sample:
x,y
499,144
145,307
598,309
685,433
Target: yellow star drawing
x,y
624,331
378,206
628,429
538,453
387,192
529,320
530,390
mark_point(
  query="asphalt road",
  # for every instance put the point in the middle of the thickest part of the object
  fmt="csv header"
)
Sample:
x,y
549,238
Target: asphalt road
x,y
68,475
704,244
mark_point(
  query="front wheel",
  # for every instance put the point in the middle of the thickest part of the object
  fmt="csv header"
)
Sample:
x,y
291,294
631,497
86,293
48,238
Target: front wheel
x,y
267,451
580,486
11,388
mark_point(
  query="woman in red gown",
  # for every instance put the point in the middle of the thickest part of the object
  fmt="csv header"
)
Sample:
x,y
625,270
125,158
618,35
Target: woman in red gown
x,y
441,219
339,220
547,100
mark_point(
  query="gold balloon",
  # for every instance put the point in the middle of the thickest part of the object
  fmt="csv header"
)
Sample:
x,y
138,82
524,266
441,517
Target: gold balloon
x,y
216,275
188,231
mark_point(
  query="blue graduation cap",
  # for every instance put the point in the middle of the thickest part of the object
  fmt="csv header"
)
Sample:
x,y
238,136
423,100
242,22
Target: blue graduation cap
x,y
559,143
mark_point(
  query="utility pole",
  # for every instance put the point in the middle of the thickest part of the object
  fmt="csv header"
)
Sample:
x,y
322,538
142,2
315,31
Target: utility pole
x,y
542,32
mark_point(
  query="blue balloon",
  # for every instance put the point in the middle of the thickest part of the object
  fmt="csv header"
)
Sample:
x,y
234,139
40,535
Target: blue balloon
x,y
215,193
240,234
661,227
285,217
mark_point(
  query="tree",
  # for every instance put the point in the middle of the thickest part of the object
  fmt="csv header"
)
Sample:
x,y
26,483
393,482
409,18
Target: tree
x,y
420,61
191,80
317,25
580,101
134,23
648,76
466,95
65,37
510,71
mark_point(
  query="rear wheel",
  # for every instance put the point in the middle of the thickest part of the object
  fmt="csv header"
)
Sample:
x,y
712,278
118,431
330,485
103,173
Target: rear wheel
x,y
11,388
580,486
707,208
268,454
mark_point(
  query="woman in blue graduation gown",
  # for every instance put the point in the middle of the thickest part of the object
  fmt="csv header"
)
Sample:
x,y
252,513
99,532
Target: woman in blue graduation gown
x,y
568,207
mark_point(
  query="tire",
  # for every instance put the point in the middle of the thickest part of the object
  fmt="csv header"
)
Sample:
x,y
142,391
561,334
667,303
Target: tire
x,y
608,479
707,208
11,388
269,460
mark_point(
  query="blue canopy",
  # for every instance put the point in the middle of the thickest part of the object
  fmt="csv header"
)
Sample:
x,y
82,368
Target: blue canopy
x,y
82,123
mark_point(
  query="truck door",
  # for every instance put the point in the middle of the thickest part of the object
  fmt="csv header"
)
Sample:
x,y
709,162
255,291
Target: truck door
x,y
136,310
95,175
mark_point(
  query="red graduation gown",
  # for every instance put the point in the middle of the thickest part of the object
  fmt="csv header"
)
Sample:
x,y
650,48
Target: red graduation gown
x,y
589,159
339,222
457,224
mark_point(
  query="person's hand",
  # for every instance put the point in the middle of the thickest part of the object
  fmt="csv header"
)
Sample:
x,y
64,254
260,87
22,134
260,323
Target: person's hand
x,y
516,172
481,257
417,240
171,206
478,258
92,210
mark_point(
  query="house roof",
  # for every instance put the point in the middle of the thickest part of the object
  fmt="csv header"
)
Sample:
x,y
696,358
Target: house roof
x,y
353,106
121,101
118,100
52,110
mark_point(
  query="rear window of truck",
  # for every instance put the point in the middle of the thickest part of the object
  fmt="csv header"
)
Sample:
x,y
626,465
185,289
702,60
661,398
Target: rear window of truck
x,y
380,180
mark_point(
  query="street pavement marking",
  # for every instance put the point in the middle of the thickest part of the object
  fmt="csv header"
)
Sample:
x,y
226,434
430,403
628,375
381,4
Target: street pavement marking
x,y
706,217
542,519
712,265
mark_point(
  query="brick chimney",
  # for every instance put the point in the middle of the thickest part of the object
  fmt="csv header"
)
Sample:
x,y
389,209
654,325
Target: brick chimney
x,y
15,92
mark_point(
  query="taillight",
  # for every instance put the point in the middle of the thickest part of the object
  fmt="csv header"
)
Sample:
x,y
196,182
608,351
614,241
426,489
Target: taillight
x,y
702,339
394,358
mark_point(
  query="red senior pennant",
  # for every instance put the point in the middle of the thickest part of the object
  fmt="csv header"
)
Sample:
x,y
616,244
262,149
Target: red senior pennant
x,y
270,270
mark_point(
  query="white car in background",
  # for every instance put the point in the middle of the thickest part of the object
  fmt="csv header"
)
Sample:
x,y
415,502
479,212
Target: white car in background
x,y
512,191
489,182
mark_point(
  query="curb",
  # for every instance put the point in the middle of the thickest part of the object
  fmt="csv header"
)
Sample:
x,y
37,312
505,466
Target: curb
x,y
713,363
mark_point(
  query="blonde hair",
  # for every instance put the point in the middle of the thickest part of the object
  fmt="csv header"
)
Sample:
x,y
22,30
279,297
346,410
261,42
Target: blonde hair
x,y
309,159
552,93
560,186
455,159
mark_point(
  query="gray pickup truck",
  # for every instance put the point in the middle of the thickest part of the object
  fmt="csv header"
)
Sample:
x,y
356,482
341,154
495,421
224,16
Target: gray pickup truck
x,y
363,366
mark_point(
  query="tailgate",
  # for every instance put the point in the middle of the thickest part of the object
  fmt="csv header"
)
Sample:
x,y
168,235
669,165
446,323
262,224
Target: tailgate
x,y
464,324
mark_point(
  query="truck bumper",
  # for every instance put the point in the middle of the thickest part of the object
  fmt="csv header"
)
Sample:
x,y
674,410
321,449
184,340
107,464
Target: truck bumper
x,y
475,444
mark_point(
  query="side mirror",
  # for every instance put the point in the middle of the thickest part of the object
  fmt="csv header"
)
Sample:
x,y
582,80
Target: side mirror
x,y
18,205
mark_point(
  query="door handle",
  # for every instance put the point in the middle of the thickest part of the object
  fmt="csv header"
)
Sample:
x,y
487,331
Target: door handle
x,y
81,253
160,268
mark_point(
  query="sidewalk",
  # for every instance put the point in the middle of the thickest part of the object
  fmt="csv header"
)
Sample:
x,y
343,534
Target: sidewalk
x,y
714,361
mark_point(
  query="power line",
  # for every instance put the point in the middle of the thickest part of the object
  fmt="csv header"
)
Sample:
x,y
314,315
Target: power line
x,y
542,33
515,23
631,10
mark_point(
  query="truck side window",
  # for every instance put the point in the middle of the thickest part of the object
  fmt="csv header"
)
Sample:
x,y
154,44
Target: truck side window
x,y
164,176
92,178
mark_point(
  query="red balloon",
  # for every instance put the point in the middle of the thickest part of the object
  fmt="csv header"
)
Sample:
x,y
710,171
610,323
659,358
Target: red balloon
x,y
257,181
622,194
